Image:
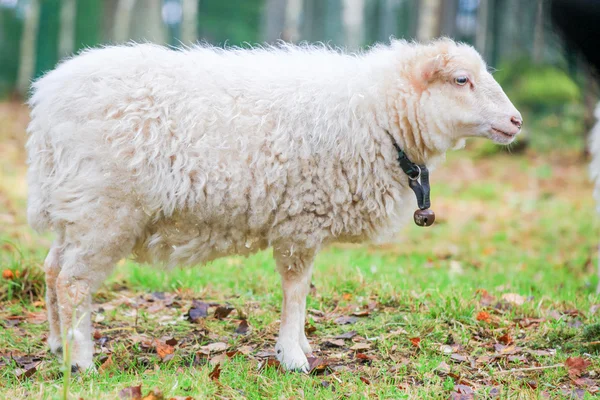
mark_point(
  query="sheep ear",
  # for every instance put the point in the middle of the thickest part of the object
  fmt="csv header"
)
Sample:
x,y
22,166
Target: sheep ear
x,y
431,68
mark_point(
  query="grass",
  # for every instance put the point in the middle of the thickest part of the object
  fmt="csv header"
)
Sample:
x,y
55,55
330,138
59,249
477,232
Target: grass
x,y
441,307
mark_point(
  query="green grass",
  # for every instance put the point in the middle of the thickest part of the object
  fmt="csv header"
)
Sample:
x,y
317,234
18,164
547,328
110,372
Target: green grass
x,y
521,224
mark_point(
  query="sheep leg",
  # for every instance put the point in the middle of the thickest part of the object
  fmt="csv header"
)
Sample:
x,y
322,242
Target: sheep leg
x,y
295,270
52,269
304,344
85,265
598,287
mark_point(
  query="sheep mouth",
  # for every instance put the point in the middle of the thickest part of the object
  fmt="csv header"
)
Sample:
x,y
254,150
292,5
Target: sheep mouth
x,y
504,133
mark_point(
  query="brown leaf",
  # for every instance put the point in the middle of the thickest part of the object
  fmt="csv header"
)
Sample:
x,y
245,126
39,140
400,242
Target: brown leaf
x,y
506,350
131,393
416,341
505,339
27,371
344,320
106,364
171,342
513,298
7,274
443,368
198,311
485,298
269,362
484,316
154,395
163,349
181,398
334,343
462,392
360,346
213,348
365,357
347,296
223,311
216,373
576,366
365,380
347,335
242,328
317,365
459,358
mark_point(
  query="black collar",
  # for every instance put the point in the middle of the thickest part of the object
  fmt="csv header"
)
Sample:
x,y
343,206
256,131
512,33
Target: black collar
x,y
418,180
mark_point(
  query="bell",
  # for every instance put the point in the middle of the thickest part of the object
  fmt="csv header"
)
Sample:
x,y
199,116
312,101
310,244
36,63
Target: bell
x,y
424,217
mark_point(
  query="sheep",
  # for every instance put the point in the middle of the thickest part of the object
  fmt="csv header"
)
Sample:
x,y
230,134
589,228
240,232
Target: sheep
x,y
180,157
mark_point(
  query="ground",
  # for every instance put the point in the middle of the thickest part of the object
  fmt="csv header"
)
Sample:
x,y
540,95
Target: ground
x,y
496,300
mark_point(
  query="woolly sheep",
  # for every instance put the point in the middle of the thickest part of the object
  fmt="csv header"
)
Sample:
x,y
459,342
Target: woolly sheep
x,y
184,156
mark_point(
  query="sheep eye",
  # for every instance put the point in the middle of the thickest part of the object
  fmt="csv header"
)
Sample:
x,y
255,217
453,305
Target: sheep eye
x,y
461,80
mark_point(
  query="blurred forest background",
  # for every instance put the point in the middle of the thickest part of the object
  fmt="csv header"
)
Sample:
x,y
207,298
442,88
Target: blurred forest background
x,y
543,78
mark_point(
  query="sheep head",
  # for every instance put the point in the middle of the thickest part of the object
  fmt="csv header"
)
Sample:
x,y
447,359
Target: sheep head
x,y
458,97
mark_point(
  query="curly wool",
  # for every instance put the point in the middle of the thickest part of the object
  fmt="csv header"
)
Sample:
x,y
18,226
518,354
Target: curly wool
x,y
211,152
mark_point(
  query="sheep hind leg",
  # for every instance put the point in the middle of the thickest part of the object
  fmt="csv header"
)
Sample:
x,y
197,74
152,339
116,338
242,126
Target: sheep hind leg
x,y
51,270
295,271
89,256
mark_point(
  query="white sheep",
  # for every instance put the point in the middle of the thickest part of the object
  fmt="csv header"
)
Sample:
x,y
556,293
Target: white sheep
x,y
595,170
181,157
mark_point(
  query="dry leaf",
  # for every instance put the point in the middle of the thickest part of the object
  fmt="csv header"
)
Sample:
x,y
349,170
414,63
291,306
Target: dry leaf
x,y
316,365
106,364
7,274
443,368
198,311
131,393
345,320
216,373
513,298
334,343
365,380
416,341
360,346
223,311
163,349
484,316
347,335
347,296
154,395
242,328
576,366
214,348
505,339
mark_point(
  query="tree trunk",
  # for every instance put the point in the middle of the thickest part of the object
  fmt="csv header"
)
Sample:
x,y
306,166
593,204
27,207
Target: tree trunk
x,y
274,20
27,48
67,28
353,20
147,22
189,26
291,27
109,15
47,36
429,20
123,21
482,27
538,37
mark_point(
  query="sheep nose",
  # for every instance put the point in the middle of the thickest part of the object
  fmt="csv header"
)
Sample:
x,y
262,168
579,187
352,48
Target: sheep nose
x,y
516,121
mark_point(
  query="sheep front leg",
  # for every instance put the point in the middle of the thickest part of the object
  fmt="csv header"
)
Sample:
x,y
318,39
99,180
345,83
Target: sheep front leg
x,y
295,270
51,270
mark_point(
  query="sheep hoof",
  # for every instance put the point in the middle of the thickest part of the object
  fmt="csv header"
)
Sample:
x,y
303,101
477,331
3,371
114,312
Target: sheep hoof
x,y
292,358
424,217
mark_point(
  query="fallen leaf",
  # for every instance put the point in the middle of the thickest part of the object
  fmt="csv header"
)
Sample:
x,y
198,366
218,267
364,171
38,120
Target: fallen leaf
x,y
416,341
317,365
347,335
443,368
334,343
106,364
365,380
513,298
171,342
462,392
360,346
154,395
483,316
181,398
505,339
365,357
218,359
242,328
269,362
245,350
214,347
576,366
344,320
216,373
459,357
198,311
131,393
506,350
163,349
485,298
223,311
7,274
347,296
